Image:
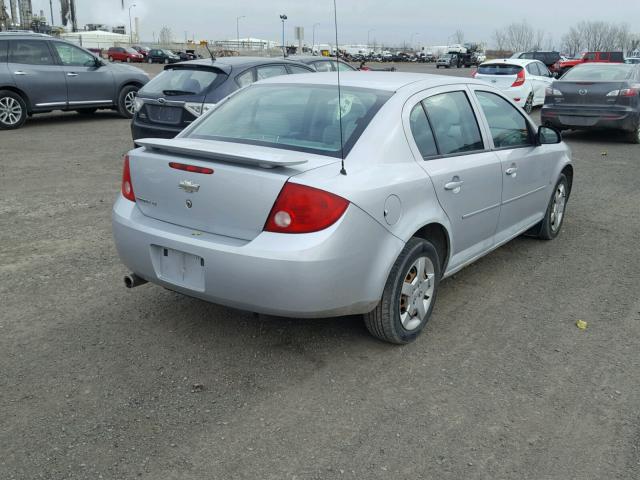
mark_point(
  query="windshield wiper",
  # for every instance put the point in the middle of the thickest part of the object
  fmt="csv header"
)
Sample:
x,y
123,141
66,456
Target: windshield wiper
x,y
177,92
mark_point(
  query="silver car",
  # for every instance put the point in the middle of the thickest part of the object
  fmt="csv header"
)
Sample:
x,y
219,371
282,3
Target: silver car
x,y
252,206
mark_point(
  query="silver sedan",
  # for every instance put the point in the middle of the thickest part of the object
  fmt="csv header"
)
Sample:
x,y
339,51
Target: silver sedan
x,y
291,199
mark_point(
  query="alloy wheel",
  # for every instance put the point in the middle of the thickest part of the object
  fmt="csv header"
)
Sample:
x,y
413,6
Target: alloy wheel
x,y
528,107
416,294
130,102
10,111
557,209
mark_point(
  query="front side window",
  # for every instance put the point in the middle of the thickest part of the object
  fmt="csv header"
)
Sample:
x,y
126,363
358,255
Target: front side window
x,y
422,133
454,124
296,69
323,66
343,67
304,118
73,56
30,52
509,128
268,71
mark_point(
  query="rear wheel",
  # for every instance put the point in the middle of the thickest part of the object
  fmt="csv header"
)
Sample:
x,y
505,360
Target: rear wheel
x,y
166,60
550,226
13,110
528,106
409,294
150,60
126,101
110,58
634,136
128,59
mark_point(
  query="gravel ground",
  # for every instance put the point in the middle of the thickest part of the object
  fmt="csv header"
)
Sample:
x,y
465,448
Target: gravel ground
x,y
97,381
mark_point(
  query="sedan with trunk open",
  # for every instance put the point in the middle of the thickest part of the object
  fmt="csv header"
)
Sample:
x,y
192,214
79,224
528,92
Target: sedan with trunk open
x,y
293,198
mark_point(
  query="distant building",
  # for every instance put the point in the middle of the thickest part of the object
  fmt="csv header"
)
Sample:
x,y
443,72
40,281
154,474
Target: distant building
x,y
246,44
121,29
96,38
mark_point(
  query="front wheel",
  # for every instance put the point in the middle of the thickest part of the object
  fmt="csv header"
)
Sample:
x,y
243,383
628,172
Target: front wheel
x,y
550,226
166,60
409,294
13,110
150,60
127,101
128,59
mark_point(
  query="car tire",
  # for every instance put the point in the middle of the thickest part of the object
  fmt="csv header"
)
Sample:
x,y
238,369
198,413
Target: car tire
x,y
13,110
110,58
550,226
393,319
128,59
166,60
86,111
150,60
438,67
634,136
126,99
528,106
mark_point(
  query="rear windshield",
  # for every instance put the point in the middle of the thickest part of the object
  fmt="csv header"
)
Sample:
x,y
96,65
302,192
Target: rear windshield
x,y
305,118
499,69
181,81
600,73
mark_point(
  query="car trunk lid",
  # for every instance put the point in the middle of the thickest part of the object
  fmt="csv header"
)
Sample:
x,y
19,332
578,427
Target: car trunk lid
x,y
588,93
234,200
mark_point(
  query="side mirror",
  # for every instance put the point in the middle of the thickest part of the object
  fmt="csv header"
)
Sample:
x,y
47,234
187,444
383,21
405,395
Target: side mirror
x,y
98,63
548,135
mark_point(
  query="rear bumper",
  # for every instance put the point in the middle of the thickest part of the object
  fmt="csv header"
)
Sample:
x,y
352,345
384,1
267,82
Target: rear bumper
x,y
577,118
339,271
151,130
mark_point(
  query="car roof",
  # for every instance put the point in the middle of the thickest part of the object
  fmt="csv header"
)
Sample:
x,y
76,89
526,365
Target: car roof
x,y
227,64
513,61
312,58
387,81
24,35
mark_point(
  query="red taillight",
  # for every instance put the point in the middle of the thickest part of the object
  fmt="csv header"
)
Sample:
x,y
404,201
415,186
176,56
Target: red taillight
x,y
629,92
519,79
302,209
191,168
127,186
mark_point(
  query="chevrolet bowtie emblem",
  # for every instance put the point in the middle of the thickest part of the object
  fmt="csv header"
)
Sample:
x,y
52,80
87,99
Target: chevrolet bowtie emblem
x,y
189,186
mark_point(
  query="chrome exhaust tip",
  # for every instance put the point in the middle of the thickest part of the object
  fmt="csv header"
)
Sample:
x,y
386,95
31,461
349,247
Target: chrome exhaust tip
x,y
133,280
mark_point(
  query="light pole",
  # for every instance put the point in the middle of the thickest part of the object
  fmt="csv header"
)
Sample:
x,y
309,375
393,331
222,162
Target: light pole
x,y
130,28
238,29
283,17
313,41
411,41
368,36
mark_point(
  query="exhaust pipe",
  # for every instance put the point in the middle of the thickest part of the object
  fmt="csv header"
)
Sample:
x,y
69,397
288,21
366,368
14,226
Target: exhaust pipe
x,y
133,280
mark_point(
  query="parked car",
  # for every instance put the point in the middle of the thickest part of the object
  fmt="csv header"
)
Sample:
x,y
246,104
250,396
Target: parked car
x,y
322,64
39,74
596,95
247,206
122,54
550,59
184,56
632,60
159,55
183,91
142,50
447,60
523,81
561,67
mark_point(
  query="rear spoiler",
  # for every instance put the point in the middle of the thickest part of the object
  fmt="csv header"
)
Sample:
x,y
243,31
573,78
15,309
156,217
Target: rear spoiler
x,y
225,151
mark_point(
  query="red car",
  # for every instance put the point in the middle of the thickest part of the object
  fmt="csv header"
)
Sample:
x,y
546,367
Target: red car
x,y
561,67
123,54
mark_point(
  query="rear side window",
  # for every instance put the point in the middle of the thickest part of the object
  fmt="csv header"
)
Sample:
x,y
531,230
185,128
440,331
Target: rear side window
x,y
617,57
422,133
297,69
268,71
343,67
454,123
245,78
30,52
323,66
4,48
181,81
532,68
499,69
508,127
605,56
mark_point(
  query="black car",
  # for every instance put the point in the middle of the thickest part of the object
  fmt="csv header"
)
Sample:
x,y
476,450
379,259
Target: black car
x,y
186,90
548,58
159,55
596,95
323,64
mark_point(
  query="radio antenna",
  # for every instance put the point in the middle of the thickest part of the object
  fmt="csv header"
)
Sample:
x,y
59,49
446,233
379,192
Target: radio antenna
x,y
335,18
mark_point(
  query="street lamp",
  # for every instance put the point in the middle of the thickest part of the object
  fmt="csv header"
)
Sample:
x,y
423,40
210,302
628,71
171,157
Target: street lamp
x,y
283,17
313,41
411,41
238,29
368,35
130,28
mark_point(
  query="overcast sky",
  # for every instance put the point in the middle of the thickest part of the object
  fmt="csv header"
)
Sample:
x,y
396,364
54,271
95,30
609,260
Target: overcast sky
x,y
430,22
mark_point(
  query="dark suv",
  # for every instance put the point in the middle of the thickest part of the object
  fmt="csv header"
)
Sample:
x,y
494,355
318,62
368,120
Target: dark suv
x,y
160,55
40,74
548,58
185,90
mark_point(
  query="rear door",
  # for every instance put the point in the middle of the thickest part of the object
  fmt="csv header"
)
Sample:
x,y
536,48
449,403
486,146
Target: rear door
x,y
35,71
466,175
87,83
526,170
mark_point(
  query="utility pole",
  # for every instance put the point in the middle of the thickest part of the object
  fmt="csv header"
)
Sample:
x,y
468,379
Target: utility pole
x,y
51,7
238,30
313,37
130,28
283,17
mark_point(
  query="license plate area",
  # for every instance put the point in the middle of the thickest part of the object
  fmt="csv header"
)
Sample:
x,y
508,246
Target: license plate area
x,y
171,115
179,268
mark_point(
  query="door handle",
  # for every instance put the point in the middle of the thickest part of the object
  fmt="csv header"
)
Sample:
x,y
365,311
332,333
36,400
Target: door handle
x,y
71,74
454,185
511,171
19,72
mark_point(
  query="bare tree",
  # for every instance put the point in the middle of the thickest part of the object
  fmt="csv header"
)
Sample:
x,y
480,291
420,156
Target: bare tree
x,y
500,40
517,37
572,41
459,37
165,37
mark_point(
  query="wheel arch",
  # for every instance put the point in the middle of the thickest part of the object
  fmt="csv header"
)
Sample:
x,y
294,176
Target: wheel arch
x,y
17,91
437,234
568,172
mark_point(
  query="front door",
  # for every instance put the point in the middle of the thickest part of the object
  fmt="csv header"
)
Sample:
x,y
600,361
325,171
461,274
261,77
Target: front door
x,y
36,73
525,170
465,174
87,82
